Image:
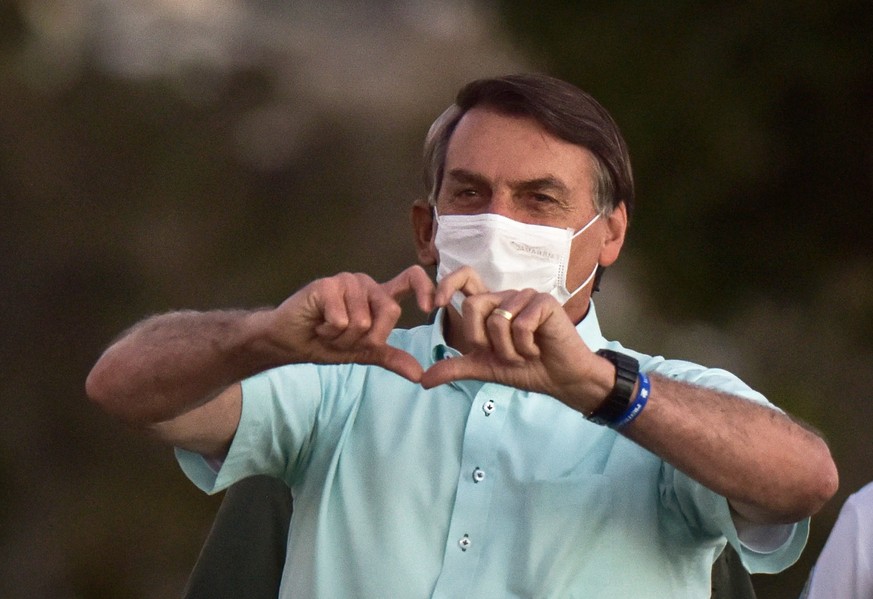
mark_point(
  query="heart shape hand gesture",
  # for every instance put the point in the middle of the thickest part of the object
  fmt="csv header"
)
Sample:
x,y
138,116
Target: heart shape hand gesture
x,y
522,339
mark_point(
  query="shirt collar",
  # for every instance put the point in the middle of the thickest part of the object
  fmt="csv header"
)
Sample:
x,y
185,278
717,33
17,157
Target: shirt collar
x,y
589,329
439,348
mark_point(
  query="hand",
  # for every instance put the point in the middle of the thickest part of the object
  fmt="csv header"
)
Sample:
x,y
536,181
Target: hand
x,y
347,318
537,349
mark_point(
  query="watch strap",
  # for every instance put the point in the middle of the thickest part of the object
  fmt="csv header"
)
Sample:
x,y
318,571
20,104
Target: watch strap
x,y
615,405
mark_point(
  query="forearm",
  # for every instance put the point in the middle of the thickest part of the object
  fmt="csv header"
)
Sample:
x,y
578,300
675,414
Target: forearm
x,y
769,467
169,364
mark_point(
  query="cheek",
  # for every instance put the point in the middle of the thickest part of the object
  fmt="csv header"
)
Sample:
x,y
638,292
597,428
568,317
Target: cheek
x,y
584,254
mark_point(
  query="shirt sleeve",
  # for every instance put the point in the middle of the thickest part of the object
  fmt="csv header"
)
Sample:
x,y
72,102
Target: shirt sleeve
x,y
707,515
762,549
280,408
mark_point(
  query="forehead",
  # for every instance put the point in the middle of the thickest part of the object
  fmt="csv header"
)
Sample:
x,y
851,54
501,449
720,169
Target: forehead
x,y
508,147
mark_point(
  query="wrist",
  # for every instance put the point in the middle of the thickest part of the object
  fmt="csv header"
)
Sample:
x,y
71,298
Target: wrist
x,y
628,395
640,399
259,339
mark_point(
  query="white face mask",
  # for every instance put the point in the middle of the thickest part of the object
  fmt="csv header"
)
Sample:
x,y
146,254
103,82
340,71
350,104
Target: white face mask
x,y
507,254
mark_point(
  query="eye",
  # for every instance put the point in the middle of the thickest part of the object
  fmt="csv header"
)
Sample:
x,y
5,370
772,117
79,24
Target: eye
x,y
543,198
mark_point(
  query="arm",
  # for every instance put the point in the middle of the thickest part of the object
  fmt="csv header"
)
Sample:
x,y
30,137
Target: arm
x,y
770,468
176,375
173,375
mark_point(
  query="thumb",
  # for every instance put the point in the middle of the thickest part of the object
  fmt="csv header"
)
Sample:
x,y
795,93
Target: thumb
x,y
454,369
399,362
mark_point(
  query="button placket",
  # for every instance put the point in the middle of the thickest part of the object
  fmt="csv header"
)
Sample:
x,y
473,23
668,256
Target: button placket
x,y
468,529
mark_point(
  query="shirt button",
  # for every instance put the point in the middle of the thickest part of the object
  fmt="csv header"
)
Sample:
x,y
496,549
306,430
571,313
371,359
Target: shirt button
x,y
478,475
488,407
465,542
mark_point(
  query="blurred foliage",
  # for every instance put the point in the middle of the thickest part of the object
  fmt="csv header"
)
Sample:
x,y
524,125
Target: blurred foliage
x,y
750,129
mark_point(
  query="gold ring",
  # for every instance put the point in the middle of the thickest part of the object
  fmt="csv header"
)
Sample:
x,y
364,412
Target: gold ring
x,y
504,313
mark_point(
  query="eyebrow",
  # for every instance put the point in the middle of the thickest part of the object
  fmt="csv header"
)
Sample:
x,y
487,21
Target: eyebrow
x,y
539,184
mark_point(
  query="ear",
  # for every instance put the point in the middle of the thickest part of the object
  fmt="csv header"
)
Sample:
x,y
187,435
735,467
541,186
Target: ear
x,y
616,227
423,228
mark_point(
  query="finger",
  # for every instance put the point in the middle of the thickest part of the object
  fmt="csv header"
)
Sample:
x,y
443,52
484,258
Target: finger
x,y
524,331
412,280
398,362
385,312
446,371
506,325
476,311
527,326
329,299
354,290
543,323
464,280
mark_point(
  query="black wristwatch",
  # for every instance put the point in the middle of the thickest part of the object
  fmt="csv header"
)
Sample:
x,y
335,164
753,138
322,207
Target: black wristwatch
x,y
627,369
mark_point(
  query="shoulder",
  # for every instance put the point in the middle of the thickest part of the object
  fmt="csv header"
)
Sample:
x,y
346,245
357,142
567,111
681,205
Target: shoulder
x,y
861,503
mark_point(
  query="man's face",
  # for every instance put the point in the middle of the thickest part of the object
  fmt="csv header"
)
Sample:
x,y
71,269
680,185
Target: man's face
x,y
511,166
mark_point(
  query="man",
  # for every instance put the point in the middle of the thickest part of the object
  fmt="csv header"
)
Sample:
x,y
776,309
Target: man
x,y
507,449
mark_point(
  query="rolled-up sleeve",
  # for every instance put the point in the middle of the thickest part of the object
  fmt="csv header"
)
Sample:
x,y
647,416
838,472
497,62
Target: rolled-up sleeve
x,y
762,549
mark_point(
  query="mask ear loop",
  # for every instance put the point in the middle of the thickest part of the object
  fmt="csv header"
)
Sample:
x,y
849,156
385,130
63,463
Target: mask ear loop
x,y
582,286
585,228
596,266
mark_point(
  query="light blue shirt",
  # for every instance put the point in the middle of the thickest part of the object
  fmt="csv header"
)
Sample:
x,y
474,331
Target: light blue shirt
x,y
475,489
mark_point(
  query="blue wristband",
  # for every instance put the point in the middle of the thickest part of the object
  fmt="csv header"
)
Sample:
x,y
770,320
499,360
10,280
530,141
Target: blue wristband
x,y
639,402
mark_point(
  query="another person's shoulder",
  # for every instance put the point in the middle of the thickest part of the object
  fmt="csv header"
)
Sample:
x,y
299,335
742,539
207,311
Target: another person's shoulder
x,y
861,501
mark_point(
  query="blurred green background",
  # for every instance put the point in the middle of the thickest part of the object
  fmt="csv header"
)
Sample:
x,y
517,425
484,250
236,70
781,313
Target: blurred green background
x,y
168,154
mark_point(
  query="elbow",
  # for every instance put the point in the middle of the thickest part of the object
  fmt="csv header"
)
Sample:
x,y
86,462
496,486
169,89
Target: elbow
x,y
817,479
96,386
104,391
826,482
821,485
802,498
